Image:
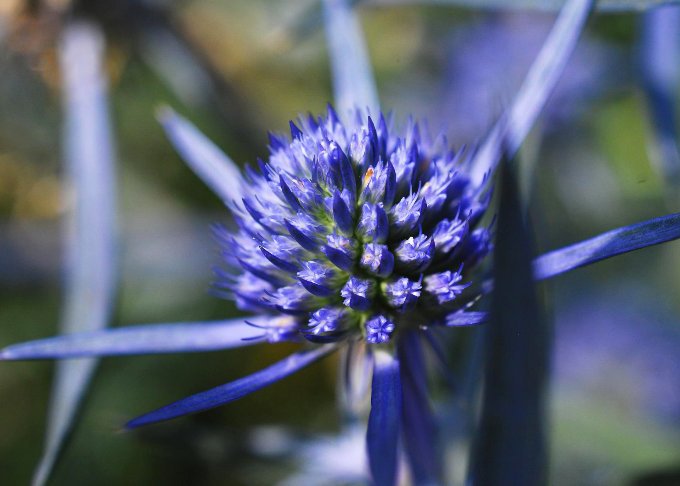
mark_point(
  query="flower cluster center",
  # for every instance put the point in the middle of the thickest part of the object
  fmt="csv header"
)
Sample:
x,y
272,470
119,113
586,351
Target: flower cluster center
x,y
350,230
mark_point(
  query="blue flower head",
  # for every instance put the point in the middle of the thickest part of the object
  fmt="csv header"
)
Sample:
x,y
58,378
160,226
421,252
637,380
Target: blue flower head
x,y
351,235
352,229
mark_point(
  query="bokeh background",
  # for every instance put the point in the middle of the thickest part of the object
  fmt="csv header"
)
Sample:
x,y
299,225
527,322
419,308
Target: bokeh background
x,y
240,68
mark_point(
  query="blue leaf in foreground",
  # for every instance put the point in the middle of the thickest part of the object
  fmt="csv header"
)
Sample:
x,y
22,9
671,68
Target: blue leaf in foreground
x,y
609,244
213,166
236,389
90,247
353,83
660,70
419,427
178,337
382,437
513,127
510,442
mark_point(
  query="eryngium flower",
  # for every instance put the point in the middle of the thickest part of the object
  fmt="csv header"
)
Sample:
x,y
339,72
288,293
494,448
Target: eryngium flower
x,y
353,231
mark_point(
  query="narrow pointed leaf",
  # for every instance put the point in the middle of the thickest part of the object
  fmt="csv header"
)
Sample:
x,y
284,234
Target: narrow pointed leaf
x,y
90,254
540,5
419,429
236,389
354,378
510,437
465,318
515,124
382,437
609,244
208,162
179,337
353,82
660,66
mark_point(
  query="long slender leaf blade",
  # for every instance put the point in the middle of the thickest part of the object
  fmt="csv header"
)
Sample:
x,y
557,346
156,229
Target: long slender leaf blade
x,y
382,436
513,127
212,165
510,439
307,20
236,389
660,66
541,5
609,244
179,337
90,253
419,428
353,82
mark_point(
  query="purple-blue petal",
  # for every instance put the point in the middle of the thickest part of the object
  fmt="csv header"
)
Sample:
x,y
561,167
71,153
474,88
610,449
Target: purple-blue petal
x,y
342,215
382,437
236,389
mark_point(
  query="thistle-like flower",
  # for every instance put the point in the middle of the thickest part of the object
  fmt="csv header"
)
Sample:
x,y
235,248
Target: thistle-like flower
x,y
354,232
356,237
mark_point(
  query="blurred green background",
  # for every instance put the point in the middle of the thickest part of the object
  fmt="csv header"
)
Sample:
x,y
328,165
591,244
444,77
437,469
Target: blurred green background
x,y
615,406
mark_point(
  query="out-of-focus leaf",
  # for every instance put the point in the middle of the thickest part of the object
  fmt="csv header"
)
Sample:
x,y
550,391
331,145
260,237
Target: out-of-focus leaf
x,y
354,378
208,162
382,436
514,125
510,445
187,69
543,5
609,244
90,254
465,318
660,66
353,83
419,429
236,389
308,19
178,337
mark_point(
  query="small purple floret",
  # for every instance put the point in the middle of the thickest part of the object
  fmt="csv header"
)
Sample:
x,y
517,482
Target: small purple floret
x,y
377,260
415,254
326,320
357,293
316,277
378,329
373,224
445,285
403,292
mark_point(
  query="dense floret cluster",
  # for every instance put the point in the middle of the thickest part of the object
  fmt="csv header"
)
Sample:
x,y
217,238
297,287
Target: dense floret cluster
x,y
349,229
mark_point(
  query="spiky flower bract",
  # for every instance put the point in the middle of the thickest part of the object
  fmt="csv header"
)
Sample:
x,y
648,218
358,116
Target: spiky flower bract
x,y
351,230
